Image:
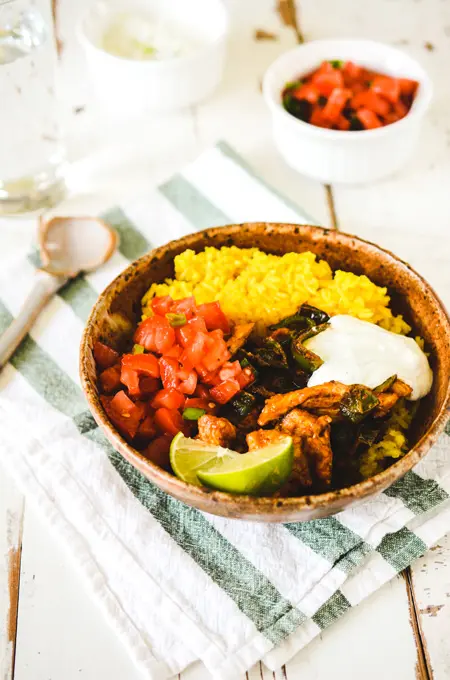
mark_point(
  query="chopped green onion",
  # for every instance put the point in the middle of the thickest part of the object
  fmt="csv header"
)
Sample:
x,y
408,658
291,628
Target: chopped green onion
x,y
191,413
336,63
138,349
176,320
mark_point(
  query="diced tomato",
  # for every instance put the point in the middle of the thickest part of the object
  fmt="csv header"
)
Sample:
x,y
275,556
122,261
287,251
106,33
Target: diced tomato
x,y
214,317
130,378
193,352
184,306
225,390
387,87
174,352
208,377
352,70
158,451
325,67
336,102
230,370
145,364
368,99
342,123
169,421
148,386
104,356
155,334
245,378
110,379
407,87
189,383
125,414
327,82
392,117
147,429
205,404
400,109
216,355
369,119
162,305
317,118
169,369
193,326
307,91
201,391
171,399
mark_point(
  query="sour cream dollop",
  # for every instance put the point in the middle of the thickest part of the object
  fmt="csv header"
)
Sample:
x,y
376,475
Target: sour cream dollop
x,y
355,351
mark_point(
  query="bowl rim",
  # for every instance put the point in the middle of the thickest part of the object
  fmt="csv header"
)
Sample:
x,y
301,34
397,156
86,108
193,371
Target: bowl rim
x,y
154,65
419,106
253,506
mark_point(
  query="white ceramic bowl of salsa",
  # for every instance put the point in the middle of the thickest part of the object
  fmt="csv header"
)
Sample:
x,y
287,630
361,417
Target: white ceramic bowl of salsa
x,y
336,156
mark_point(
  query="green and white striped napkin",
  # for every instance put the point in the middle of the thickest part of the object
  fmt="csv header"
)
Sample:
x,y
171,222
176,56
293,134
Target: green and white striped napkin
x,y
179,585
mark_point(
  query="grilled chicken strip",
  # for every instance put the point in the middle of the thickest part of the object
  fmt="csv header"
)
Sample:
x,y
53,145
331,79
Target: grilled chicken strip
x,y
401,389
239,337
260,438
324,399
216,431
314,434
388,399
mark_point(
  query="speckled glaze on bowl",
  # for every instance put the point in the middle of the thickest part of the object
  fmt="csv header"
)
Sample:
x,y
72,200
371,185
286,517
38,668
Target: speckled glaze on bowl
x,y
117,311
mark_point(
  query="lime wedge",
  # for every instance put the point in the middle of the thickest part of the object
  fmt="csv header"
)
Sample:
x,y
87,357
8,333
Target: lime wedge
x,y
188,456
256,473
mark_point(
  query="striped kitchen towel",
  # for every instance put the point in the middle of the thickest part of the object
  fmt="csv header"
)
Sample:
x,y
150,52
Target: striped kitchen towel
x,y
176,584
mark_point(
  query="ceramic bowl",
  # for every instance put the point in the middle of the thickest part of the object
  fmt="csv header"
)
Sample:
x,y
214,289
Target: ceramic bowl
x,y
117,311
336,156
124,86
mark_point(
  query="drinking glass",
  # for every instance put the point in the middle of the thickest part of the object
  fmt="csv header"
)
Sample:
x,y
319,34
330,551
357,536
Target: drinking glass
x,y
31,149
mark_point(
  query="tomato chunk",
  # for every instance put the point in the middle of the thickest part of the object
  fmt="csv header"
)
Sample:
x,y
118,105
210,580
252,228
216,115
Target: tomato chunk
x,y
148,386
202,391
104,356
147,429
230,370
125,414
110,379
214,317
169,421
171,399
368,99
225,390
369,119
387,87
245,378
158,451
184,306
189,383
407,87
155,334
336,102
162,305
145,364
326,82
130,378
169,369
216,355
205,404
307,91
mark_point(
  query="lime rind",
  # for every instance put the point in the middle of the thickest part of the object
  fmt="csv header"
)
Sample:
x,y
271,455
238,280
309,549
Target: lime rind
x,y
258,472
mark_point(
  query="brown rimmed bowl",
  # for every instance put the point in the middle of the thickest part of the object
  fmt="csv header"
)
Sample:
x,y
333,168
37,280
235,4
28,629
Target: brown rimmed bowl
x,y
118,309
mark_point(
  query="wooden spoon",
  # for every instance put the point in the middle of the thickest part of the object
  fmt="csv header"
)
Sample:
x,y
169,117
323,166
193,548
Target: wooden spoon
x,y
68,246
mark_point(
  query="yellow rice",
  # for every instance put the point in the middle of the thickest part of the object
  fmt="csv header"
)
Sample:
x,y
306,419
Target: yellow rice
x,y
255,286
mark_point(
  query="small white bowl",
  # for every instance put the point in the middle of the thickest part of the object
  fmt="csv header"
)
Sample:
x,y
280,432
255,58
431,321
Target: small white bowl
x,y
336,156
128,85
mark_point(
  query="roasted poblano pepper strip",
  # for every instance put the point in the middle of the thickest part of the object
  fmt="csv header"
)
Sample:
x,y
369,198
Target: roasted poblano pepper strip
x,y
308,361
312,332
240,406
314,314
369,431
385,385
271,355
358,403
296,321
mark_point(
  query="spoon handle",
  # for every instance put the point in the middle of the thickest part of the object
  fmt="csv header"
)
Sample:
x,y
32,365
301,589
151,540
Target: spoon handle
x,y
45,287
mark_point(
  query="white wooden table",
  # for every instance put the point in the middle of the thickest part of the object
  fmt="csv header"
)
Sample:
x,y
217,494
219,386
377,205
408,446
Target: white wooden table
x,y
49,628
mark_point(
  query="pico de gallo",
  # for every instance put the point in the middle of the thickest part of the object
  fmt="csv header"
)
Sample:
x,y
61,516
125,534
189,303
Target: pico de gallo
x,y
344,96
177,370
